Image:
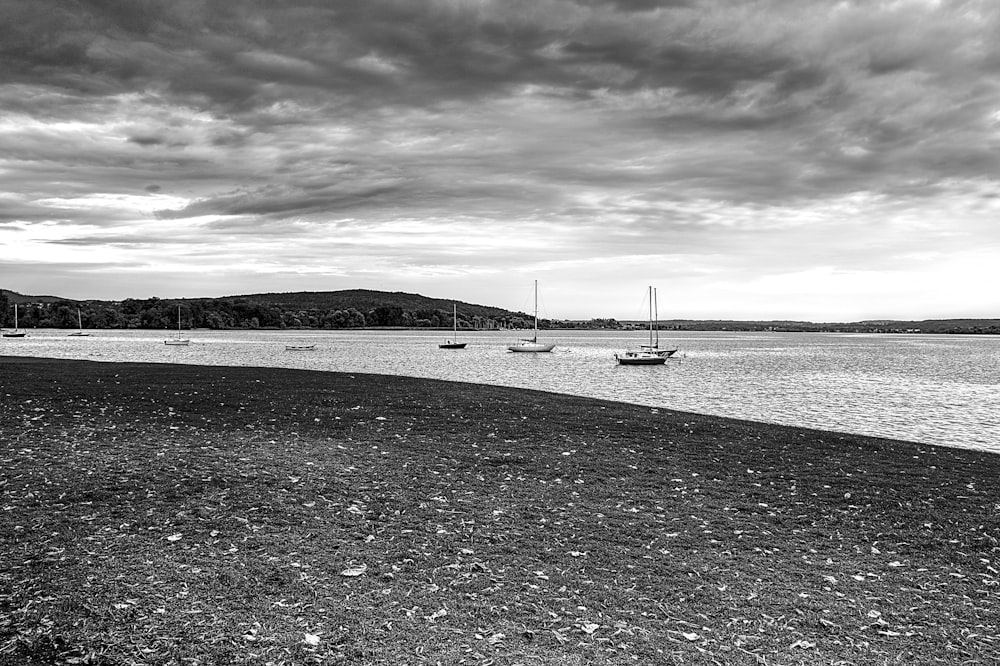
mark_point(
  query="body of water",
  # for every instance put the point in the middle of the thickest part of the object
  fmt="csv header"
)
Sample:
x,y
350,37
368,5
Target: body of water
x,y
935,389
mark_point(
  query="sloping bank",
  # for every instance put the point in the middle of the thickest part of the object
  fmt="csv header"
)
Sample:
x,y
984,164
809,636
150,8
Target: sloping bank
x,y
161,513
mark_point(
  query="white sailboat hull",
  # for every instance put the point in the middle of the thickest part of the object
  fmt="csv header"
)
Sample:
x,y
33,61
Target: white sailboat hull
x,y
529,346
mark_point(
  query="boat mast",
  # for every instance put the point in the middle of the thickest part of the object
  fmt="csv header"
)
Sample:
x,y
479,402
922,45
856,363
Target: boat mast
x,y
454,318
535,338
656,308
651,316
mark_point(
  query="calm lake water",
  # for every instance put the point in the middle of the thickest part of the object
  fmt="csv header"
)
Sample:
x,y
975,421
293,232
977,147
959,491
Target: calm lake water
x,y
935,389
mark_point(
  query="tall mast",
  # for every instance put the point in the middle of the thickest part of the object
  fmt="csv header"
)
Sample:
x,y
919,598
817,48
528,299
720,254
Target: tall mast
x,y
656,307
535,338
651,316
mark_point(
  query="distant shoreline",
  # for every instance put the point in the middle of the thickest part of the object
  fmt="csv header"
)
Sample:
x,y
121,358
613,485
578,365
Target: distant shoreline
x,y
731,327
362,309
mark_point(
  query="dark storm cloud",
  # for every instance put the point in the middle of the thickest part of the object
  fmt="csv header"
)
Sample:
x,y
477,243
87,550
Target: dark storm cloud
x,y
729,69
635,5
241,55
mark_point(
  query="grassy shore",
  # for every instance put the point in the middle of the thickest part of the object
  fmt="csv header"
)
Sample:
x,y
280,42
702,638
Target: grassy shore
x,y
172,514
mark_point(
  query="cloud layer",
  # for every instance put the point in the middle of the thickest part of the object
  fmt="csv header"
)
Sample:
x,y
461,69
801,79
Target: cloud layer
x,y
762,158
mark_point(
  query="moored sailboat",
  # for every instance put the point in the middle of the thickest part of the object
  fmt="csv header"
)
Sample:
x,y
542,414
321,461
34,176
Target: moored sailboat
x,y
453,344
17,332
654,345
532,344
178,341
79,322
646,354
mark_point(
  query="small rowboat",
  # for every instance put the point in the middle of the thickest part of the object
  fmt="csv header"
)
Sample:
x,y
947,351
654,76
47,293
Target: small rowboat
x,y
299,347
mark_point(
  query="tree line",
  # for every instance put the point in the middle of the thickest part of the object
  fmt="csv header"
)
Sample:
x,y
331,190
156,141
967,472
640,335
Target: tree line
x,y
236,313
253,313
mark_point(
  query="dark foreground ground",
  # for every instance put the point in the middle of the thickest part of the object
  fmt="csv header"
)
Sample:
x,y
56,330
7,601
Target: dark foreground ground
x,y
158,514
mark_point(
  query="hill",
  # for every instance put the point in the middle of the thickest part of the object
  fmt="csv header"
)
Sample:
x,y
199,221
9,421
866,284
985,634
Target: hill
x,y
366,300
355,308
14,297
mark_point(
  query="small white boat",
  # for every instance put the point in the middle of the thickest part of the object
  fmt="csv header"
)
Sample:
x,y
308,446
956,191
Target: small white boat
x,y
300,347
452,344
16,333
532,344
178,341
79,322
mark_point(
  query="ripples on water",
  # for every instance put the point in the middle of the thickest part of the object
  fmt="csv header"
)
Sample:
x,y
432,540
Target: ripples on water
x,y
927,388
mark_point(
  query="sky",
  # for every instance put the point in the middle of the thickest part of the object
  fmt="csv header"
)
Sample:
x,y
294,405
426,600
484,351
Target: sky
x,y
765,159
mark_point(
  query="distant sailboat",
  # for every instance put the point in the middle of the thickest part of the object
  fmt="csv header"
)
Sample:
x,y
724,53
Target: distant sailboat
x,y
532,344
16,333
453,344
654,346
178,341
647,354
79,323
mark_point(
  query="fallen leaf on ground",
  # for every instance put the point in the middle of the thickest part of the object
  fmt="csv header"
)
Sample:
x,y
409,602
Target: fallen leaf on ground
x,y
357,570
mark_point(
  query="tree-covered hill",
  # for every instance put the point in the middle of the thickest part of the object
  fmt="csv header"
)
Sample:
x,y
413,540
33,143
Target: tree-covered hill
x,y
367,299
356,308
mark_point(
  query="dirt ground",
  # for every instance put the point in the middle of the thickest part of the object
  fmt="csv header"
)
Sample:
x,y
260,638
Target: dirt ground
x,y
172,514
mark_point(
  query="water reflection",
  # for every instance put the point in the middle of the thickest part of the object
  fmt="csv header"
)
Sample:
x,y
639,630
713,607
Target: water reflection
x,y
934,389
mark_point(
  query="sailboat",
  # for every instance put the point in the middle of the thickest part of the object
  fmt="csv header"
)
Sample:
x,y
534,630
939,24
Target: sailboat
x,y
531,344
178,340
453,344
79,323
16,333
646,355
655,345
